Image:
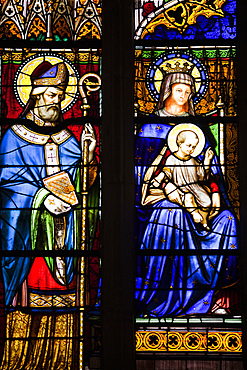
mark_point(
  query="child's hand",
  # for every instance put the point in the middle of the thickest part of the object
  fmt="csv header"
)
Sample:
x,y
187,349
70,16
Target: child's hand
x,y
209,155
173,194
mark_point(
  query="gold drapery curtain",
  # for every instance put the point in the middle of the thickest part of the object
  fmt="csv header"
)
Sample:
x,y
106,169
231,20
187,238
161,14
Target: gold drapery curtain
x,y
35,341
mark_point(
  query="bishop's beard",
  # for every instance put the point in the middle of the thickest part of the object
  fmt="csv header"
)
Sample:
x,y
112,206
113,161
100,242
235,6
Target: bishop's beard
x,y
48,113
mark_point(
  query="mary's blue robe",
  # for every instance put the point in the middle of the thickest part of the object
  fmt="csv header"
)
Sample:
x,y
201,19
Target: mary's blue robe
x,y
179,283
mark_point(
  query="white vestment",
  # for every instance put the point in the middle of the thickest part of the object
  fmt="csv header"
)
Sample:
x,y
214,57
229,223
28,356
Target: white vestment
x,y
186,175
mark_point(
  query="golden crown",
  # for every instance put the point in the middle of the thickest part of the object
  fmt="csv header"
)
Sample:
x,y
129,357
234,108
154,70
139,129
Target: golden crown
x,y
178,68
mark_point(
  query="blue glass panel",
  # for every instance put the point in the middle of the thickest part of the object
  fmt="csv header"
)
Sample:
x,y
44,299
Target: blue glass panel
x,y
177,22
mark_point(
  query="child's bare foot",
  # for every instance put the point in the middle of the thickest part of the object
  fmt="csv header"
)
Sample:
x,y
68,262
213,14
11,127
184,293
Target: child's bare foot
x,y
197,217
206,227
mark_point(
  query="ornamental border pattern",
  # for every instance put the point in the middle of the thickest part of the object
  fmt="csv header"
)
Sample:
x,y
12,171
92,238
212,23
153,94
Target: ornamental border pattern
x,y
170,341
84,57
42,300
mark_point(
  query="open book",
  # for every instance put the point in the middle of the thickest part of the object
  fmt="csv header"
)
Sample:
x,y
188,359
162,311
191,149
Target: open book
x,y
60,185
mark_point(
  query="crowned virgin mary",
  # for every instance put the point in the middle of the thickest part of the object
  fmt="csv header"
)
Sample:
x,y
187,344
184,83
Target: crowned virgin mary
x,y
181,282
176,92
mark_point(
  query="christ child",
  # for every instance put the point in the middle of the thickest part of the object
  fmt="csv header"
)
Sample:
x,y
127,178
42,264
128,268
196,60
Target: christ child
x,y
182,176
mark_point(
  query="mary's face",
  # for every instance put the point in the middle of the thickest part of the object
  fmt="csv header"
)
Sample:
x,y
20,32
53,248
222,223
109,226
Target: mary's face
x,y
180,93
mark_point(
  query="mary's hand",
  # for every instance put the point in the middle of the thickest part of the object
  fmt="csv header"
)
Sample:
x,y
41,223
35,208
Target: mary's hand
x,y
89,135
215,205
55,205
156,182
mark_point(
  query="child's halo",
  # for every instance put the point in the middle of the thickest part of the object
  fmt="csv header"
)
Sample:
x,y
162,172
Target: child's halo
x,y
173,133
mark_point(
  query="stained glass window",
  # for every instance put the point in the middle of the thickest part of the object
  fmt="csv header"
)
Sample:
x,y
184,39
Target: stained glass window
x,y
50,183
187,183
50,283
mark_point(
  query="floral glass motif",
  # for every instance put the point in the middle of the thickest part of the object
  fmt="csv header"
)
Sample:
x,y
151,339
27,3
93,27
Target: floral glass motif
x,y
50,191
42,20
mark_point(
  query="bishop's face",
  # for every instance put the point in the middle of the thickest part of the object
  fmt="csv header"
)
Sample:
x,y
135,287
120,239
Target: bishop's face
x,y
48,104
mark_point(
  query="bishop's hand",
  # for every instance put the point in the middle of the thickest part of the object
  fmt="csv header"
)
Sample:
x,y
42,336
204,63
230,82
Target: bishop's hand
x,y
88,135
55,205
